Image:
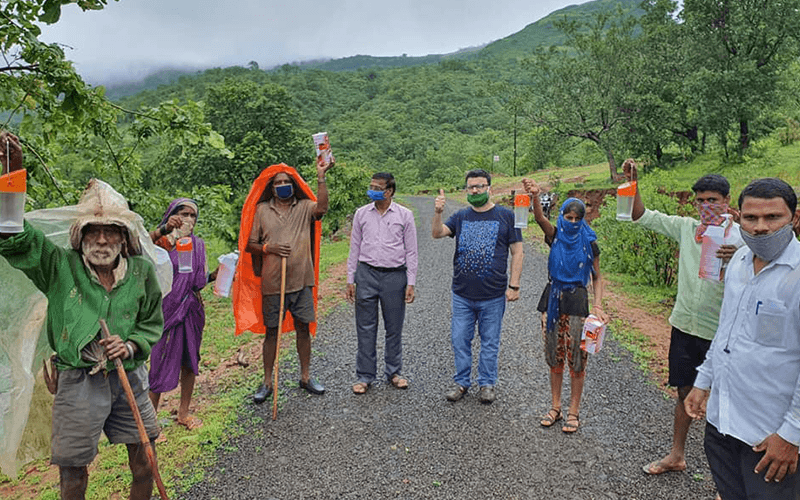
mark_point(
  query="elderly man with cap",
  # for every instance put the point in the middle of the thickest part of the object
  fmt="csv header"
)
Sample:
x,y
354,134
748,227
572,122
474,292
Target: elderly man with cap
x,y
103,276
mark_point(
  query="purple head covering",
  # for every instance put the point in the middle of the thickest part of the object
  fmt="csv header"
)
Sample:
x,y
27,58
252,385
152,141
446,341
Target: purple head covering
x,y
184,315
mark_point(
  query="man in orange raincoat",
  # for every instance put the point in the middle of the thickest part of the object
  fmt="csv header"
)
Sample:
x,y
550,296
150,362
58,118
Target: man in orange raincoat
x,y
284,224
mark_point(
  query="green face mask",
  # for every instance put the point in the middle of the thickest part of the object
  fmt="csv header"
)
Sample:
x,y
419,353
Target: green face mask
x,y
478,200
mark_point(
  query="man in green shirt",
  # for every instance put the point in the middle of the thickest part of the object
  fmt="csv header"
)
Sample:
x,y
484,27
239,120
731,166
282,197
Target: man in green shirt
x,y
103,276
695,315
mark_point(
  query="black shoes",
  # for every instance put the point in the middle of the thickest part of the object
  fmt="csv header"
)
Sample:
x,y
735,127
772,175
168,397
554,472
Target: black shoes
x,y
312,386
262,394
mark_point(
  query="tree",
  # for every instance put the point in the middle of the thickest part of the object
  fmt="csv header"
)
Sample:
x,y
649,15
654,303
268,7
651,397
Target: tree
x,y
59,116
259,124
580,91
739,49
664,114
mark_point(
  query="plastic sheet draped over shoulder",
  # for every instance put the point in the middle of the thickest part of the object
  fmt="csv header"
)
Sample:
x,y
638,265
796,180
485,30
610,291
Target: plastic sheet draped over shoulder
x,y
23,345
23,338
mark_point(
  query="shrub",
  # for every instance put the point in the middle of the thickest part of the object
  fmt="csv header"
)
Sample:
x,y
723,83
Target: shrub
x,y
790,133
627,248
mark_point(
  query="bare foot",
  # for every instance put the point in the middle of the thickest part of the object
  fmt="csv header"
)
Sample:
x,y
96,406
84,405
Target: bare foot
x,y
662,466
191,423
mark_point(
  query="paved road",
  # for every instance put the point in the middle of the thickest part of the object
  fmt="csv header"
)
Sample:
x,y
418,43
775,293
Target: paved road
x,y
414,444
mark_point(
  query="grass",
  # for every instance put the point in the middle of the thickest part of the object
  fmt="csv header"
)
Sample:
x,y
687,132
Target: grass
x,y
655,299
335,252
635,342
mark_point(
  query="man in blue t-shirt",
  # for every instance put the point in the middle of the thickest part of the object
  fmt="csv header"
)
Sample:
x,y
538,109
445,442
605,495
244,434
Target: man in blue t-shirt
x,y
484,235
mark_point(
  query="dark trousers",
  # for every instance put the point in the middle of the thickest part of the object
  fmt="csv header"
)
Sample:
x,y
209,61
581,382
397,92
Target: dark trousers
x,y
387,288
732,463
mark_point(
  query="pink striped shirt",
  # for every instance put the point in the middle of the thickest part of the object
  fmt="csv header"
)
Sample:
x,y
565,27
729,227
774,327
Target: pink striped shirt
x,y
388,240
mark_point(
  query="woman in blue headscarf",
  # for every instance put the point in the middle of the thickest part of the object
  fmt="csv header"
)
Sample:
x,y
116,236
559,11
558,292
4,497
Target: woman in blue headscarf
x,y
574,261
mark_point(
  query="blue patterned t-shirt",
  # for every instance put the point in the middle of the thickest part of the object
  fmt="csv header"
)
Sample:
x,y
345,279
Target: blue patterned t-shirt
x,y
480,262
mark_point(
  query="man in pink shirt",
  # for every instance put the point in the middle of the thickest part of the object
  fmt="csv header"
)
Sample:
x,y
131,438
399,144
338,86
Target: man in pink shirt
x,y
381,268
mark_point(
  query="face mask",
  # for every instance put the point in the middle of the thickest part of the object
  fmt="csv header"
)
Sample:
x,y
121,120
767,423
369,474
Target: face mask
x,y
284,191
570,228
101,255
375,195
769,246
478,200
711,214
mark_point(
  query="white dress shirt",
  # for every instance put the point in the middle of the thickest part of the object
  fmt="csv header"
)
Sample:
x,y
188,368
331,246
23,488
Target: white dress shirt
x,y
753,364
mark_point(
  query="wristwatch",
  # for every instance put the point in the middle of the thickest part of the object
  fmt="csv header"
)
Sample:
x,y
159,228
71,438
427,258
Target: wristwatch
x,y
515,288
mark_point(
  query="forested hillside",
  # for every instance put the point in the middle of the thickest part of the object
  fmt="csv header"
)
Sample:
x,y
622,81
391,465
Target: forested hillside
x,y
596,82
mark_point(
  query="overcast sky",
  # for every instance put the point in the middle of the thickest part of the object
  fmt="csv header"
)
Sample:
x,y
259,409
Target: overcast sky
x,y
131,38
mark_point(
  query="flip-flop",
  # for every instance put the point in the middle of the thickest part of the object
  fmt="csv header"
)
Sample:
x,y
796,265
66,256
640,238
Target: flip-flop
x,y
191,424
360,388
657,467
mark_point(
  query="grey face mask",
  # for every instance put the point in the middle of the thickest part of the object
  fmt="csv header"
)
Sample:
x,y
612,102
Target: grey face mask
x,y
769,246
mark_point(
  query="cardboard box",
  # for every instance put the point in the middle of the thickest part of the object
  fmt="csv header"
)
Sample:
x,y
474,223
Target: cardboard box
x,y
594,332
322,145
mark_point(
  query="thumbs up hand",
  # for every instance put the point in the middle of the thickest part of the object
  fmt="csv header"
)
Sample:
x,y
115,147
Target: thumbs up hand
x,y
439,203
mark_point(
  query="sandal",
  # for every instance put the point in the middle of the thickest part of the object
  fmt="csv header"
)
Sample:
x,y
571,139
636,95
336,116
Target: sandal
x,y
360,387
552,416
399,382
572,423
191,424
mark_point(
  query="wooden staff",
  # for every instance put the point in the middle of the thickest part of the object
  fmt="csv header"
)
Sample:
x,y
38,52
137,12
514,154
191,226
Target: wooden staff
x,y
278,343
123,379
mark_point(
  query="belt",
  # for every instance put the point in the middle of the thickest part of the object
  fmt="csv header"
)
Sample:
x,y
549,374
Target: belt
x,y
384,269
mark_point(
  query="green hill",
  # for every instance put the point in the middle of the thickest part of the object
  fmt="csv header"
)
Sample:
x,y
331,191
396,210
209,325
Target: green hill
x,y
543,33
538,34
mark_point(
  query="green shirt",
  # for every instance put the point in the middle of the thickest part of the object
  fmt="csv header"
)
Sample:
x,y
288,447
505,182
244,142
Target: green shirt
x,y
697,305
76,302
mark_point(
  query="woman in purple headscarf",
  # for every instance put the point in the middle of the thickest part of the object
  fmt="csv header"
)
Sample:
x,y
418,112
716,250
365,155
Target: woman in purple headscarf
x,y
176,356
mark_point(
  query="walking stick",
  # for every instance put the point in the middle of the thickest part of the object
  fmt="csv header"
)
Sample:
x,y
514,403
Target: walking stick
x,y
278,343
123,379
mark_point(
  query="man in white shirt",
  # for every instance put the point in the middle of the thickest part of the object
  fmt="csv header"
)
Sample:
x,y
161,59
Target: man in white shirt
x,y
749,380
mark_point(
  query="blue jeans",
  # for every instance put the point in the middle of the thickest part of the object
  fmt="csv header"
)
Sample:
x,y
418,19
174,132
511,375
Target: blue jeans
x,y
488,314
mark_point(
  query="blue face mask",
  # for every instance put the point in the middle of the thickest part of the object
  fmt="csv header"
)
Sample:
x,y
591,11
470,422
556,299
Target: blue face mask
x,y
571,228
375,195
284,191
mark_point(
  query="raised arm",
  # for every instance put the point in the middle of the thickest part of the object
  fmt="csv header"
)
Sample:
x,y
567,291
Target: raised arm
x,y
323,166
631,174
538,214
439,230
173,222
